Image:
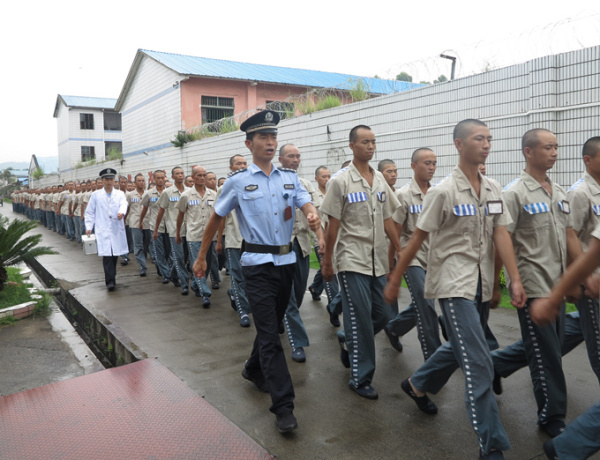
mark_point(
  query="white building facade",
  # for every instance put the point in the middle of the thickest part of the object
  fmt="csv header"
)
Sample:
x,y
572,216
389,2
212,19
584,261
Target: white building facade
x,y
88,131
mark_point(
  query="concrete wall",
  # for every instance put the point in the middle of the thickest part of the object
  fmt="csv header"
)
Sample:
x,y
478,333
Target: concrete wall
x,y
558,92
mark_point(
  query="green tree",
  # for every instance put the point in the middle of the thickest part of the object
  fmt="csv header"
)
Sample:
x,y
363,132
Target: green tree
x,y
403,76
442,78
15,247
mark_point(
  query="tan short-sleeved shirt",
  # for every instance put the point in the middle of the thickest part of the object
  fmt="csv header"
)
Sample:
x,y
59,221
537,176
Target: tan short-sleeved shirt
x,y
65,197
233,237
77,201
134,202
150,199
168,201
301,229
461,227
318,196
197,209
410,197
596,232
538,232
361,210
584,198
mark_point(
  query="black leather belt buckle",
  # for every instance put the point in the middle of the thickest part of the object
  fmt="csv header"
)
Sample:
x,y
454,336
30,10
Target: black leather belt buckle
x,y
283,250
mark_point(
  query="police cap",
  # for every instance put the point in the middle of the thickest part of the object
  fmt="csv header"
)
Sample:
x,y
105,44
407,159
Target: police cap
x,y
264,121
108,173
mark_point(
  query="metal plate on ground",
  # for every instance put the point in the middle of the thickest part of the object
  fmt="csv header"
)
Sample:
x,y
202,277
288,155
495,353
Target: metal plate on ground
x,y
137,411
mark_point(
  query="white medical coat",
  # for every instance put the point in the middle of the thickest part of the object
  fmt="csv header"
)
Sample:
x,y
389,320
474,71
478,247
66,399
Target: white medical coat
x,y
101,215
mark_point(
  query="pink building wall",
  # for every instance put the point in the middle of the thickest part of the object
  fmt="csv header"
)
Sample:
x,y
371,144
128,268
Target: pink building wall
x,y
244,94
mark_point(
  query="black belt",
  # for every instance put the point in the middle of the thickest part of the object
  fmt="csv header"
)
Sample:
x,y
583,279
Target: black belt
x,y
266,249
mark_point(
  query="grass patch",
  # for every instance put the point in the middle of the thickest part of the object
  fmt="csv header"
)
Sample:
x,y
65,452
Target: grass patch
x,y
14,294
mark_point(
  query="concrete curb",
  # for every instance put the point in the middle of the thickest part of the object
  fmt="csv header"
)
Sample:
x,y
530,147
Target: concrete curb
x,y
108,342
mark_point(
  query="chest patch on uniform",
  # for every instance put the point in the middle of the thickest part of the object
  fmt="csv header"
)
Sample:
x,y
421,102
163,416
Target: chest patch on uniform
x,y
210,202
153,199
356,197
288,186
250,188
415,208
564,206
494,208
135,200
193,202
462,210
596,209
174,198
536,208
381,196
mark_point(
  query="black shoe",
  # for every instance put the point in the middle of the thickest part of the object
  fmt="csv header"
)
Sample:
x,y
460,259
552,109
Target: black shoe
x,y
259,382
553,427
492,455
423,402
196,291
143,273
443,327
344,356
316,297
298,355
334,319
110,286
205,302
549,450
176,283
124,262
185,291
393,338
286,422
215,285
165,281
244,321
365,390
497,384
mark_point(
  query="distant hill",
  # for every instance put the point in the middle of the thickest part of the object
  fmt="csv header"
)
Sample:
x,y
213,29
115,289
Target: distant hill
x,y
14,165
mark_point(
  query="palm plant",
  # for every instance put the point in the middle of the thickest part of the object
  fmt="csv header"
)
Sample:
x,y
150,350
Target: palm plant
x,y
15,247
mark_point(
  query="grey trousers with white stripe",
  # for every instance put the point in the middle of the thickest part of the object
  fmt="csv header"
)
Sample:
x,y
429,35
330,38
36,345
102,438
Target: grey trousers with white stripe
x,y
365,314
543,351
468,349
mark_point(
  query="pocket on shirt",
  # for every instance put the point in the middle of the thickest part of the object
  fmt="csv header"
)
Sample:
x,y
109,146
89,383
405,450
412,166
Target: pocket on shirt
x,y
253,203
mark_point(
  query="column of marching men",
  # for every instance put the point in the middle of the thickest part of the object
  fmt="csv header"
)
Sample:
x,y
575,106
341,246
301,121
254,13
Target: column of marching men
x,y
448,240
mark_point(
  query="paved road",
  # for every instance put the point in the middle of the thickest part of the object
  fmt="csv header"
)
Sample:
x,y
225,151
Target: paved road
x,y
207,349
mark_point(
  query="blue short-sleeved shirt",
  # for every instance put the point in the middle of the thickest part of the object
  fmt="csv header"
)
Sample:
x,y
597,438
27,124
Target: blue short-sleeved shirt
x,y
260,201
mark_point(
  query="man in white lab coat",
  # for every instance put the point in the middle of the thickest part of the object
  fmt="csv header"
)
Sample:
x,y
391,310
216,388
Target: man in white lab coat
x,y
104,213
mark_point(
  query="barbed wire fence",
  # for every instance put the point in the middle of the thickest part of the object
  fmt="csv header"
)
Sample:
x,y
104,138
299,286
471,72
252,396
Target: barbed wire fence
x,y
568,34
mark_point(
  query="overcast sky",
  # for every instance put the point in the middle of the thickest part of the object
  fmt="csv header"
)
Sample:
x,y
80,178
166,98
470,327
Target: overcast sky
x,y
85,48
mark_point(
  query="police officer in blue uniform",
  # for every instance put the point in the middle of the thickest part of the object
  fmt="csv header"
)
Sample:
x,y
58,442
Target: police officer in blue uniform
x,y
264,198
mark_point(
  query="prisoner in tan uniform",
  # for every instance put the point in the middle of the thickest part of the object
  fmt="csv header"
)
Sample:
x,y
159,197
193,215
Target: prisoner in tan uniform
x,y
464,217
196,205
134,212
359,205
543,239
160,239
421,312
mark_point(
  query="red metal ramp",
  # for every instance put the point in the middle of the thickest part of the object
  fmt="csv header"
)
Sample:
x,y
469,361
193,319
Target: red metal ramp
x,y
138,411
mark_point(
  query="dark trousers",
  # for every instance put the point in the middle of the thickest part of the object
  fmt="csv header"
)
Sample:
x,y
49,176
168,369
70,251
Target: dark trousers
x,y
268,288
110,268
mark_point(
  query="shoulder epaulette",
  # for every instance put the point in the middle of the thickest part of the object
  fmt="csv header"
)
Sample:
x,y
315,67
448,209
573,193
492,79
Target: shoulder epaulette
x,y
340,171
233,173
576,184
438,183
511,183
288,169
